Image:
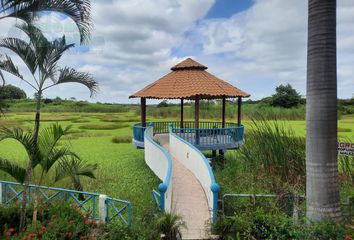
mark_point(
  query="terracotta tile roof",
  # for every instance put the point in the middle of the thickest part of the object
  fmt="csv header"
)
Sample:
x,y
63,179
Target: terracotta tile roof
x,y
187,80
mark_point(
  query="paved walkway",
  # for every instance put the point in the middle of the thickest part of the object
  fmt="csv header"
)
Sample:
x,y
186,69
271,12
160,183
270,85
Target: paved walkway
x,y
188,198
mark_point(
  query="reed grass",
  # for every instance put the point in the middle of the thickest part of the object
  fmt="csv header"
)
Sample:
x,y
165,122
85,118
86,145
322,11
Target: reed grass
x,y
274,150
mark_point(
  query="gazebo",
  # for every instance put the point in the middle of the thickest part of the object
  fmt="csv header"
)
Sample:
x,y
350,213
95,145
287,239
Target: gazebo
x,y
189,80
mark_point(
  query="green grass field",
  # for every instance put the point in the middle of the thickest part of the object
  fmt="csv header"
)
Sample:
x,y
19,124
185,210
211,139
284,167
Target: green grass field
x,y
122,172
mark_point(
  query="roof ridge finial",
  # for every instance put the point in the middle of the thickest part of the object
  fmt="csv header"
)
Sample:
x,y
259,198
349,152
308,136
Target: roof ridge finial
x,y
189,64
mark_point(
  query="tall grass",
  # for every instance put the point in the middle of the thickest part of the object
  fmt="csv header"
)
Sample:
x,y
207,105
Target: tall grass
x,y
274,150
212,110
346,164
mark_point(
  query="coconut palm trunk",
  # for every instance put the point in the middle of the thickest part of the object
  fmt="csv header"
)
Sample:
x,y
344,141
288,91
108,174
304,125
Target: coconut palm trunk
x,y
30,164
322,190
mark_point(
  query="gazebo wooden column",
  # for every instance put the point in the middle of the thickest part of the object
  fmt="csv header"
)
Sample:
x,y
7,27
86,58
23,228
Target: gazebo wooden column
x,y
182,113
223,112
196,119
143,111
239,102
221,152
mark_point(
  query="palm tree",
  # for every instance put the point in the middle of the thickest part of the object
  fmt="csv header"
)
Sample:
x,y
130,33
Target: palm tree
x,y
41,57
28,10
49,155
322,190
170,224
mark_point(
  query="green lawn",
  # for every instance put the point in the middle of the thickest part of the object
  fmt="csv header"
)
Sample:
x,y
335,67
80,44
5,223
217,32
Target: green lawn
x,y
121,172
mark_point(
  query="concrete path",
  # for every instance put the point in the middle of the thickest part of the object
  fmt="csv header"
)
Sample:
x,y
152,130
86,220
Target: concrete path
x,y
188,198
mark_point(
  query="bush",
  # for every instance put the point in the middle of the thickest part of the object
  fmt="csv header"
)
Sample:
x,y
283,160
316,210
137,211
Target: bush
x,y
148,227
10,217
59,222
260,225
122,139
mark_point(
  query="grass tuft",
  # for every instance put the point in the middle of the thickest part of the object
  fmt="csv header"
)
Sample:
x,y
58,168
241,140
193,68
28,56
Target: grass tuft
x,y
122,139
103,127
344,130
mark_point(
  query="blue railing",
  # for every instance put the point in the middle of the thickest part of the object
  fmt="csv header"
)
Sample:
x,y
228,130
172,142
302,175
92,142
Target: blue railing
x,y
119,207
208,136
138,135
12,192
165,175
212,138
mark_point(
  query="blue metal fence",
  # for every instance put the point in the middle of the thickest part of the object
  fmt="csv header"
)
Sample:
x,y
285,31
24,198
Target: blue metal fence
x,y
208,136
212,138
12,192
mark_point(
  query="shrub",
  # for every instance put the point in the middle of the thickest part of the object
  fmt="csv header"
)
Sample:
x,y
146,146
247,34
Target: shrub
x,y
122,139
59,222
10,217
261,225
103,127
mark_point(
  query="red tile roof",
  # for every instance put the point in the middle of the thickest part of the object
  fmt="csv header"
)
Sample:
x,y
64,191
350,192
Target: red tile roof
x,y
187,80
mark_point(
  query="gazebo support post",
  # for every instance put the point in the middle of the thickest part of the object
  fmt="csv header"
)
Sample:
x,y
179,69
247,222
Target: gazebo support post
x,y
223,112
143,111
239,102
221,152
196,119
181,113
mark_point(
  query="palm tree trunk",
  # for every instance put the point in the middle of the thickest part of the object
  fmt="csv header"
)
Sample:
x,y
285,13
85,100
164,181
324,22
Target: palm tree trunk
x,y
31,160
322,191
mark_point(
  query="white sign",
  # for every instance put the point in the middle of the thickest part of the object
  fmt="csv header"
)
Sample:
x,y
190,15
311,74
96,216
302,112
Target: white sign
x,y
345,148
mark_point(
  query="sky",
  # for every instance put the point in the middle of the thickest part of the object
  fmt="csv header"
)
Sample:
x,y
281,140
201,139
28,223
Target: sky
x,y
255,45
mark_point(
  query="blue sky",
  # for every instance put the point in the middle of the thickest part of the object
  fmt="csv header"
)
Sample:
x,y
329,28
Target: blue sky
x,y
255,45
227,8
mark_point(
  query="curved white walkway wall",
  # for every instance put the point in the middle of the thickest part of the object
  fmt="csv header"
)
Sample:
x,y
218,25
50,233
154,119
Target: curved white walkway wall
x,y
159,160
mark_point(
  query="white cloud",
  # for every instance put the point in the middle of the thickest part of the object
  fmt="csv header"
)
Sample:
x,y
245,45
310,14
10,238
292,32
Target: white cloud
x,y
135,42
266,45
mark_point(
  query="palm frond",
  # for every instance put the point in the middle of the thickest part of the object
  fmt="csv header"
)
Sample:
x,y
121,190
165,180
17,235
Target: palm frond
x,y
38,41
7,65
23,50
54,52
14,170
55,156
50,136
25,138
74,166
47,143
2,79
70,75
78,10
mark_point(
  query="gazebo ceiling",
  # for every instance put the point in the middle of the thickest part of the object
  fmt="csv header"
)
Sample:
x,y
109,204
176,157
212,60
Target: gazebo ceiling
x,y
187,80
